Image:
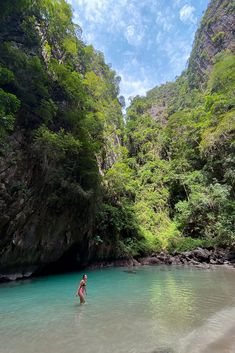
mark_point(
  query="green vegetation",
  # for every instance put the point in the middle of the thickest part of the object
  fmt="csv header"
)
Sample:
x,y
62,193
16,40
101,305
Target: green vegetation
x,y
9,103
60,98
163,180
183,163
218,38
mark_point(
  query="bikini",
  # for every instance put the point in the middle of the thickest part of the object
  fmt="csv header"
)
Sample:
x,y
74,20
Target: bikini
x,y
82,287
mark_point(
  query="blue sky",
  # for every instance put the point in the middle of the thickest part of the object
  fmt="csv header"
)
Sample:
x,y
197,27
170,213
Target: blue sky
x,y
147,42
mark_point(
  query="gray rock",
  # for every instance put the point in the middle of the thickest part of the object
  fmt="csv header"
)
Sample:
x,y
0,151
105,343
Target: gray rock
x,y
193,262
203,265
201,253
187,254
150,261
176,261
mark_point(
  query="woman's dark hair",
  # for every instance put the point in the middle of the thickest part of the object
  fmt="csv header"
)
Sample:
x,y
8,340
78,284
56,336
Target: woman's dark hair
x,y
83,276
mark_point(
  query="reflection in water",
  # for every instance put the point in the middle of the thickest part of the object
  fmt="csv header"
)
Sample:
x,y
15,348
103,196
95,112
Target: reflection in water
x,y
172,298
151,310
130,271
215,336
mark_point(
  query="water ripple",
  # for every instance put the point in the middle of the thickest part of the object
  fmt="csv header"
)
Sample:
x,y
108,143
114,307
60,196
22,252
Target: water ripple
x,y
154,310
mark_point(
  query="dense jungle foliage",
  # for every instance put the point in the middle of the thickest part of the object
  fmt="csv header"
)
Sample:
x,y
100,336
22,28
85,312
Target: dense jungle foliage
x,y
177,174
183,160
164,179
61,100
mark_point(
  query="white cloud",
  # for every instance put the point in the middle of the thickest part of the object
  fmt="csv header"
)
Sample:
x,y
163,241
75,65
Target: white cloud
x,y
120,16
165,19
159,37
130,86
93,9
177,53
178,3
187,14
133,35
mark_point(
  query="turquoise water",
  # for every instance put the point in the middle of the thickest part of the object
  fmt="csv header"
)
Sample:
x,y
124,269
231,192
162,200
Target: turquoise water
x,y
153,310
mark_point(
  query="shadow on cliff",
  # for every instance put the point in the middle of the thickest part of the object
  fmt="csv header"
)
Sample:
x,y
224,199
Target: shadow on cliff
x,y
70,261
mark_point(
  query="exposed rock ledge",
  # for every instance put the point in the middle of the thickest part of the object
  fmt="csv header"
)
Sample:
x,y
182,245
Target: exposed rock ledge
x,y
200,258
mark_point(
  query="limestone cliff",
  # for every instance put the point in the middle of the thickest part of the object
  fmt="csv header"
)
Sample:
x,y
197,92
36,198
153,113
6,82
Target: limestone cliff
x,y
64,201
55,100
215,34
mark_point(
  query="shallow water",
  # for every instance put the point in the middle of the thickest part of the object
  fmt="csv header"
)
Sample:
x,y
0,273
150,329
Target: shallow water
x,y
153,310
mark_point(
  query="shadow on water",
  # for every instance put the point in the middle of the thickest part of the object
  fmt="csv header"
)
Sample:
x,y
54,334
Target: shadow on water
x,y
17,283
130,271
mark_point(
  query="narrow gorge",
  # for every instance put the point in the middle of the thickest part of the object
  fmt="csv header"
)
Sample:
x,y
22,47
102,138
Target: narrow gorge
x,y
82,183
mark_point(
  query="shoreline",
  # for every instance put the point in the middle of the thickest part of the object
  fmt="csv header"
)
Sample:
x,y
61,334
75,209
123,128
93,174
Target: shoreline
x,y
200,258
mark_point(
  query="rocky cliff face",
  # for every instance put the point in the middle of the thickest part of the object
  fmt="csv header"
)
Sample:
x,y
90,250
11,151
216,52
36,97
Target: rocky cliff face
x,y
50,187
63,98
35,229
215,34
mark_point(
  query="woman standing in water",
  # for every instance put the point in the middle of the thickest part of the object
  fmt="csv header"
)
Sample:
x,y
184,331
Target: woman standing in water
x,y
82,289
